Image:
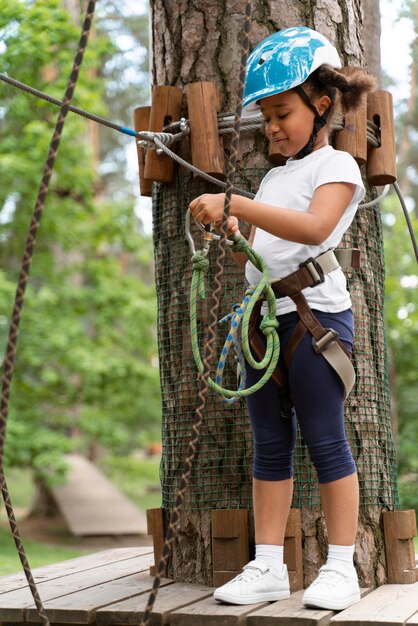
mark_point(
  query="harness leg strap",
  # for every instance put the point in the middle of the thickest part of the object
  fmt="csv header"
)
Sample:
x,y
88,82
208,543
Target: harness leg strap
x,y
324,341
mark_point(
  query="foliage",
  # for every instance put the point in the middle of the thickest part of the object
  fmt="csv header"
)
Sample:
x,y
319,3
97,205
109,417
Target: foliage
x,y
401,311
86,364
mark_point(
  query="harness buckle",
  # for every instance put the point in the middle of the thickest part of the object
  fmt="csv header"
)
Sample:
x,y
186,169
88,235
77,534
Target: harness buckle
x,y
326,341
315,270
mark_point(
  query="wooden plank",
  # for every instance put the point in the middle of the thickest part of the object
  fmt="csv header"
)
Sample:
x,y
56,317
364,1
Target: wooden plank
x,y
293,554
155,525
14,603
79,564
80,607
399,530
230,550
292,611
92,505
412,620
289,611
209,612
386,606
169,598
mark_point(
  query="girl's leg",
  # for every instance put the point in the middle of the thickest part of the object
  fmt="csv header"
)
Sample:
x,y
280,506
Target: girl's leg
x,y
271,501
266,578
319,401
340,503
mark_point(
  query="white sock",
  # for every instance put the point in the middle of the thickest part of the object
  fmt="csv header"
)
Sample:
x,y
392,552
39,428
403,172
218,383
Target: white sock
x,y
342,555
270,555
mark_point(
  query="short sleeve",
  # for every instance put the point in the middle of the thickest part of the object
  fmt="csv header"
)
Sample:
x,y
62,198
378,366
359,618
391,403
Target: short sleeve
x,y
341,167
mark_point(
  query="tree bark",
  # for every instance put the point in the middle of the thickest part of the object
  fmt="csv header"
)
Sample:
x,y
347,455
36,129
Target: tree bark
x,y
201,41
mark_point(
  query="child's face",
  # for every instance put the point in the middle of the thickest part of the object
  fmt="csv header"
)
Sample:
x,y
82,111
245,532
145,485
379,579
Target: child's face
x,y
288,122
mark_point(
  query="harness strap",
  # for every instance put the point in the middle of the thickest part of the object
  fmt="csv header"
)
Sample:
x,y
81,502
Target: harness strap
x,y
324,340
312,271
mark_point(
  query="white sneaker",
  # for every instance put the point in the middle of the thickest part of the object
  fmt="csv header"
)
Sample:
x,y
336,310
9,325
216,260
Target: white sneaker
x,y
335,588
256,583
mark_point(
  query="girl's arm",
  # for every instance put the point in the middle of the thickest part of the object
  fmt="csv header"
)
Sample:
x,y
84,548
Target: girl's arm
x,y
311,228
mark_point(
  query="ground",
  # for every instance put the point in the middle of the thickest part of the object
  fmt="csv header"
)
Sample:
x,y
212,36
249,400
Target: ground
x,y
52,530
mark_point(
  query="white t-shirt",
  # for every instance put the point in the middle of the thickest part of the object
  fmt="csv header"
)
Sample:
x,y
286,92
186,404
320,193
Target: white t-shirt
x,y
292,186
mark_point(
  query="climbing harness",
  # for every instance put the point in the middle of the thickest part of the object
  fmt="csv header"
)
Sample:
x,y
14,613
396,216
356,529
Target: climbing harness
x,y
256,328
324,340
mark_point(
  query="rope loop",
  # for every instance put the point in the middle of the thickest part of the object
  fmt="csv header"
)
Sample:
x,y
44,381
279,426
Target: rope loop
x,y
239,319
268,325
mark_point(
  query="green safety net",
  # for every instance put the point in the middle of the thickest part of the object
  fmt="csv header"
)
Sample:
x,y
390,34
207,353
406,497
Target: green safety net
x,y
221,475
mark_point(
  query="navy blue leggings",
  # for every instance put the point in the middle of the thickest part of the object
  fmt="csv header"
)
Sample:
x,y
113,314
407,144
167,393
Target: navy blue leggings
x,y
318,398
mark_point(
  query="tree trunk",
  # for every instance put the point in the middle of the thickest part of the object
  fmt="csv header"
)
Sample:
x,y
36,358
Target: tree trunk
x,y
201,41
371,37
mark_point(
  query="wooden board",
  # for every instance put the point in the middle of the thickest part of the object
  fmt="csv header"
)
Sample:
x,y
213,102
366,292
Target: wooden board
x,y
13,604
92,505
169,598
289,611
79,564
113,587
292,611
387,605
80,607
209,612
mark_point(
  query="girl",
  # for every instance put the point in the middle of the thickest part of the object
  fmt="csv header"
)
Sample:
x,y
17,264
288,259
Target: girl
x,y
301,210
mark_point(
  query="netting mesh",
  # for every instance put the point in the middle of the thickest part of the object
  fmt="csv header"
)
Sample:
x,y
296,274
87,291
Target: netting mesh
x,y
221,476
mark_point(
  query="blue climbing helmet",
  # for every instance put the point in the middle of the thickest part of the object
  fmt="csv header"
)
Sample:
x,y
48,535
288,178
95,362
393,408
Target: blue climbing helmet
x,y
284,61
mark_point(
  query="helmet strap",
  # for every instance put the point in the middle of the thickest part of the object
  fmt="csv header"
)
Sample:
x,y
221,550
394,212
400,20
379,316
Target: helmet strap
x,y
319,122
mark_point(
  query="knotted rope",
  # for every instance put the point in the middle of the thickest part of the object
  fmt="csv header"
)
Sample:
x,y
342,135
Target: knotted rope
x,y
211,336
20,294
242,314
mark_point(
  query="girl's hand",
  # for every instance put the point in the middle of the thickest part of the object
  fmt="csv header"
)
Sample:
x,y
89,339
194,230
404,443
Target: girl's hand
x,y
208,208
233,226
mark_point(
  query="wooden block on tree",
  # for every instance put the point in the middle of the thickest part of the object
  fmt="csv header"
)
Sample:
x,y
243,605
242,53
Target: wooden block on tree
x,y
207,147
155,523
381,162
293,556
399,529
141,121
230,550
165,109
353,137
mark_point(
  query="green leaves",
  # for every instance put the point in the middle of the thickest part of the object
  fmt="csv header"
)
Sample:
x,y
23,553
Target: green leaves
x,y
86,362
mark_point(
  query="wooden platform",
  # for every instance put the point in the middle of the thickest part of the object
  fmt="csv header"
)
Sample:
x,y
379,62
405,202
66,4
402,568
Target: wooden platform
x,y
112,587
92,505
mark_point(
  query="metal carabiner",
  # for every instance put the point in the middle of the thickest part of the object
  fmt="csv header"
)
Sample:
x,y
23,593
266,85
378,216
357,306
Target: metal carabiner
x,y
208,235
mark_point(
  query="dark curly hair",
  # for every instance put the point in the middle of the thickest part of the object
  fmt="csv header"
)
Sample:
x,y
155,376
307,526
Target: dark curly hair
x,y
344,91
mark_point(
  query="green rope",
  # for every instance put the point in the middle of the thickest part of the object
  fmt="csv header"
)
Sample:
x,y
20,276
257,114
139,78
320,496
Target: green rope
x,y
268,326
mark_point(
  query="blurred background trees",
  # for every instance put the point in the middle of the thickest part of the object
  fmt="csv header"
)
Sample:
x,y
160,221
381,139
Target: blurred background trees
x,y
86,366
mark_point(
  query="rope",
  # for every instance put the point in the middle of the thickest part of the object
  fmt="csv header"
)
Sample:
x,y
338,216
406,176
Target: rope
x,y
407,218
243,312
195,170
44,96
211,336
19,298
